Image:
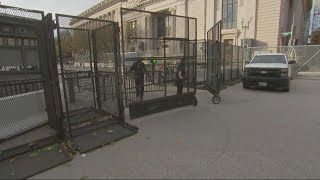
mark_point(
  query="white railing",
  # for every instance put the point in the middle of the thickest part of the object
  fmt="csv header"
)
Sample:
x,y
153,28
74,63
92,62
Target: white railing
x,y
307,57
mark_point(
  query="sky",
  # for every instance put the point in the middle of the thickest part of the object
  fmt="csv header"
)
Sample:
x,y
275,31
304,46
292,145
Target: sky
x,y
70,7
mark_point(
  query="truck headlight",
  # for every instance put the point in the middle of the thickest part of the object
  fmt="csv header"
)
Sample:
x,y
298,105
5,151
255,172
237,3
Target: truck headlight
x,y
245,72
284,72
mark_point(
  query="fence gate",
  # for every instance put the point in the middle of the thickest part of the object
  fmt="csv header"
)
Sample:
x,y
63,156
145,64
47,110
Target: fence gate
x,y
162,42
90,79
29,96
25,101
214,56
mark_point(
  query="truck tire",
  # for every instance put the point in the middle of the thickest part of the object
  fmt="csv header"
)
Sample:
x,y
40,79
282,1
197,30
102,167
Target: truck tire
x,y
286,89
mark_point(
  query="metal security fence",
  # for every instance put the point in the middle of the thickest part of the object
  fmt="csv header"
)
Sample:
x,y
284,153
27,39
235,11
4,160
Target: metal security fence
x,y
15,87
224,62
232,62
28,95
160,41
214,61
307,57
201,61
153,83
89,69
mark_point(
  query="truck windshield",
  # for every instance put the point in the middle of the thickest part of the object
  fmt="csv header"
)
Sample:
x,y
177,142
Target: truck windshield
x,y
269,59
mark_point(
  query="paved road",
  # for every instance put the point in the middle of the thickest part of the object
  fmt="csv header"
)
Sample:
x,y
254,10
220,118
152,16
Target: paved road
x,y
251,134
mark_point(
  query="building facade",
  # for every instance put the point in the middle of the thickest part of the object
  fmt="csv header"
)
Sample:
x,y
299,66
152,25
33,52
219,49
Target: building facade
x,y
250,22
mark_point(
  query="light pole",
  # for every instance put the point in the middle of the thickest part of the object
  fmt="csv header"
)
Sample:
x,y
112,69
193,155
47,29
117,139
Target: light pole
x,y
245,27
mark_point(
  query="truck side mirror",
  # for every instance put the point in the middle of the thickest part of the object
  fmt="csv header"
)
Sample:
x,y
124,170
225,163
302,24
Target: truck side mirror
x,y
292,62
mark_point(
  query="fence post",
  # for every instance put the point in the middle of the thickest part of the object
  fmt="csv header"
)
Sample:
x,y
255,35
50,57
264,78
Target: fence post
x,y
231,65
113,84
78,81
224,63
72,94
238,64
104,87
153,77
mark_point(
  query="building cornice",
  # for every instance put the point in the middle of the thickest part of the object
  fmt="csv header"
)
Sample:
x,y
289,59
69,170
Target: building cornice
x,y
97,8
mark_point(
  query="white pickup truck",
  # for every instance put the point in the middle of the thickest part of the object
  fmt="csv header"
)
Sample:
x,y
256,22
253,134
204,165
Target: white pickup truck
x,y
268,70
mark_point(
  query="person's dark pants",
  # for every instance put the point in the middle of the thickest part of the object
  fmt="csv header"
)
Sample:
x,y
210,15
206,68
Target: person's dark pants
x,y
139,83
179,83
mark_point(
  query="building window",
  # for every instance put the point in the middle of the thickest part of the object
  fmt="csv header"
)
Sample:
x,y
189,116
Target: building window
x,y
229,13
132,31
132,49
163,27
113,15
228,41
109,16
133,25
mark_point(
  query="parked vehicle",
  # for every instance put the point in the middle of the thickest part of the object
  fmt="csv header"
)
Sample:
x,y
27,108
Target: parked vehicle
x,y
268,70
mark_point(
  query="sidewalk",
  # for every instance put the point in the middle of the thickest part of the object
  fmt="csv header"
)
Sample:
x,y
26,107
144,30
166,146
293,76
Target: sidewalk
x,y
248,135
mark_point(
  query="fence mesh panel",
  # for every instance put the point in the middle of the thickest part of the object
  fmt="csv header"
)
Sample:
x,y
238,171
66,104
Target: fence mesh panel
x,y
107,68
23,101
89,68
201,61
21,13
224,61
76,64
160,40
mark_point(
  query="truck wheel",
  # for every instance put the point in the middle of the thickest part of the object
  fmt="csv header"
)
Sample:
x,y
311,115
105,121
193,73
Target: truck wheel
x,y
195,102
286,89
216,99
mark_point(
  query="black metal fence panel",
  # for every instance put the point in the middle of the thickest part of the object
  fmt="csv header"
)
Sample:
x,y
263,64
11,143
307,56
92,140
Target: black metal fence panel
x,y
161,42
15,87
25,105
89,68
201,62
215,52
107,69
224,61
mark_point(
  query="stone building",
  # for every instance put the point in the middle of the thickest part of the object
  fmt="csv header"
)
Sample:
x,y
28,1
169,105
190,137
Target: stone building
x,y
259,22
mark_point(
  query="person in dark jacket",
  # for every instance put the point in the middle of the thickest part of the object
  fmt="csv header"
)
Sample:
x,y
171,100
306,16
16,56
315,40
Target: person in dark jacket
x,y
139,69
180,75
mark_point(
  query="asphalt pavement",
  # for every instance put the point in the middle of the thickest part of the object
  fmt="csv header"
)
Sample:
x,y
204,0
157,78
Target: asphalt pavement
x,y
250,134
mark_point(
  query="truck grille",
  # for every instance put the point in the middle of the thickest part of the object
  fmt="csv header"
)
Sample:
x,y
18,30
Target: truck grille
x,y
262,72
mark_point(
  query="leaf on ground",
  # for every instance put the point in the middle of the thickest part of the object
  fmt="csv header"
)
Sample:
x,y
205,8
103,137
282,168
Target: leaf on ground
x,y
110,131
94,133
60,151
13,159
34,154
84,178
12,174
48,148
67,165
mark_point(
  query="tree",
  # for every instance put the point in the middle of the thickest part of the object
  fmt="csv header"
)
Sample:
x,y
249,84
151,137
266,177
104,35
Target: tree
x,y
315,37
131,31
